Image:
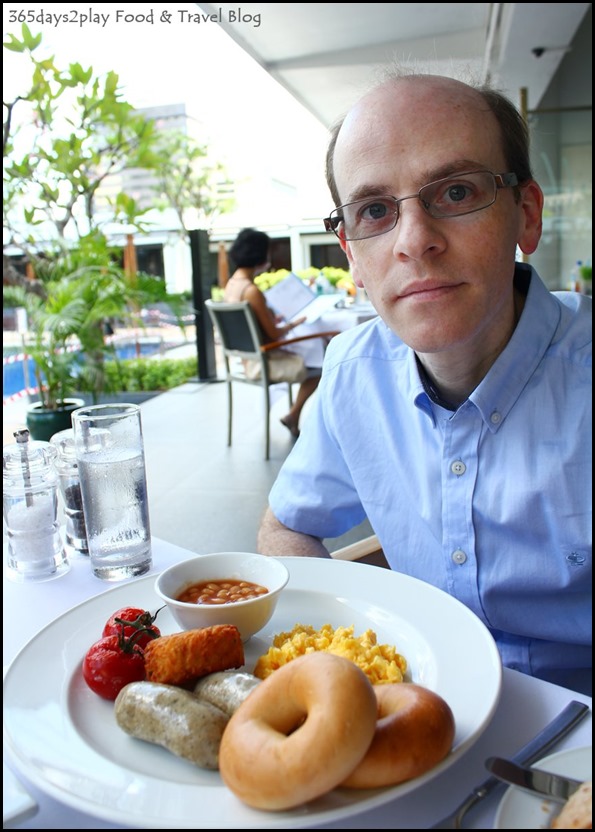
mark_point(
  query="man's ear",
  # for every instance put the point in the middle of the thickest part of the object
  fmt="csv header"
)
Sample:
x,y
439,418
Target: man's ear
x,y
531,217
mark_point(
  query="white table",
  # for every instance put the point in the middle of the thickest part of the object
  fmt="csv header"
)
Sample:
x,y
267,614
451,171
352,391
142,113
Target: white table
x,y
525,707
335,320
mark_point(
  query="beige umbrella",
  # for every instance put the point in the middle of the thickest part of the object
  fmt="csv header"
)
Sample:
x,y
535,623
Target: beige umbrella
x,y
131,270
130,261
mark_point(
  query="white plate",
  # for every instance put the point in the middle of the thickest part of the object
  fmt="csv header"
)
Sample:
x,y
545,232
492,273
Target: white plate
x,y
520,810
17,803
65,739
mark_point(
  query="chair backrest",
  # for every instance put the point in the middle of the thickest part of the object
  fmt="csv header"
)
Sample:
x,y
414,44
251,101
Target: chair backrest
x,y
237,327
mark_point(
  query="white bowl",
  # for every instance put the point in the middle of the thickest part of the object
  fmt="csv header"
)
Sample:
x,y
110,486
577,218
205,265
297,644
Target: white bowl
x,y
249,616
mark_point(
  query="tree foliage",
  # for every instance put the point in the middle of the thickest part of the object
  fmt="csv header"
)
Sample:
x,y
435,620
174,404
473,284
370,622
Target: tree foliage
x,y
71,130
83,288
189,182
62,138
77,130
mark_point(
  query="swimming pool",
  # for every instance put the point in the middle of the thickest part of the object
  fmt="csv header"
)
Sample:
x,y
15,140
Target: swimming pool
x,y
18,370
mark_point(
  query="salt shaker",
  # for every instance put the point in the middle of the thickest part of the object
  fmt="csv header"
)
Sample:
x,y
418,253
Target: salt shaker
x,y
75,531
30,503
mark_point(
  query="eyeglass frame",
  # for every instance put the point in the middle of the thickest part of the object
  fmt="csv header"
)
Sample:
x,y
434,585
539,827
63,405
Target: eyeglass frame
x,y
501,180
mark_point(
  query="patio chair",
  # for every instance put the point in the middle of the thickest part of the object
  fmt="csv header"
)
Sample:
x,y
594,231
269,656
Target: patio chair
x,y
240,339
368,550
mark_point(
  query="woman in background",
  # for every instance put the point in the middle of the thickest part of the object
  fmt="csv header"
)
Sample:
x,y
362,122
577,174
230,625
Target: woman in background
x,y
250,256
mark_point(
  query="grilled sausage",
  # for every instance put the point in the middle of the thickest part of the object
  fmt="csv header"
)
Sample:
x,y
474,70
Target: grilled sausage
x,y
226,690
173,718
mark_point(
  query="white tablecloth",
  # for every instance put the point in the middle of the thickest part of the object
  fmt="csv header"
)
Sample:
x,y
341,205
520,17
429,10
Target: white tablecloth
x,y
526,705
335,320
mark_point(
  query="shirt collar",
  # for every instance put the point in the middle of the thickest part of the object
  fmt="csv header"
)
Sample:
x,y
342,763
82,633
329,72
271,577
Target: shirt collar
x,y
497,394
417,390
498,391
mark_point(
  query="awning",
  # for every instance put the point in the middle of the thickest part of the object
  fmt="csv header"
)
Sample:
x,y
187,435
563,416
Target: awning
x,y
326,54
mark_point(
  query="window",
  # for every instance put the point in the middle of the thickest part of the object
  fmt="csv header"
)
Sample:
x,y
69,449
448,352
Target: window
x,y
150,260
328,255
561,144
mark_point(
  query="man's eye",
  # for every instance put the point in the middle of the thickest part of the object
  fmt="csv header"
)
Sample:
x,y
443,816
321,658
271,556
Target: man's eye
x,y
375,211
457,193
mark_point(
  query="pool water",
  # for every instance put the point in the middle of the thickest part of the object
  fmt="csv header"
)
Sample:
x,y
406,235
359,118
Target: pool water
x,y
18,375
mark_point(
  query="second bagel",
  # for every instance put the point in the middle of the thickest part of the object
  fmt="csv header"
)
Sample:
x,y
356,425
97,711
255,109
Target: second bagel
x,y
415,731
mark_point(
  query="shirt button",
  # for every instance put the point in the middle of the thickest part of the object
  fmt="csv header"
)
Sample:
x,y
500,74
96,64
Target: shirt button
x,y
496,418
458,467
459,557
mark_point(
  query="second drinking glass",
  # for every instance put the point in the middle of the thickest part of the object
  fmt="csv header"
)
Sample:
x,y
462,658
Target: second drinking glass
x,y
111,463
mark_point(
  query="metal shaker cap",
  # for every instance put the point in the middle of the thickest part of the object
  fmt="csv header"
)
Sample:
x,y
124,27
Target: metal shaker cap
x,y
64,443
27,461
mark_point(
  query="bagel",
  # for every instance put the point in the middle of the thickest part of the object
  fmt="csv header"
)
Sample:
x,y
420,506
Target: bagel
x,y
414,732
299,733
577,812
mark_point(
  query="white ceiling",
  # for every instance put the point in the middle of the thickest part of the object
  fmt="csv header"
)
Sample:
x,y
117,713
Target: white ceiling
x,y
327,54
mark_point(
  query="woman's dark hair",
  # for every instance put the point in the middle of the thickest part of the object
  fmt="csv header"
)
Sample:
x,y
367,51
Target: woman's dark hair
x,y
250,248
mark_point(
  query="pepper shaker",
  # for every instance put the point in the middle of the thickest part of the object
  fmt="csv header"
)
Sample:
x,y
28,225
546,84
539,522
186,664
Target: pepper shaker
x,y
75,532
30,504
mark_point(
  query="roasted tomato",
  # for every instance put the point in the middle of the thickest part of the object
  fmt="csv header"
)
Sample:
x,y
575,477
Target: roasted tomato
x,y
133,620
111,663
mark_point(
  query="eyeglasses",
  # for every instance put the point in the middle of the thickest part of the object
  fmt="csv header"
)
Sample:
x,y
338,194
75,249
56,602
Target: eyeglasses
x,y
454,196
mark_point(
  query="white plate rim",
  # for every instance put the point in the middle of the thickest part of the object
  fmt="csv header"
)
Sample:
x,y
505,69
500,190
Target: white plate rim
x,y
382,589
573,762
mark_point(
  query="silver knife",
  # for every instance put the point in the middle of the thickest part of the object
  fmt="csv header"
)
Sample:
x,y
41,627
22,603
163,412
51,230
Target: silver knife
x,y
559,727
534,780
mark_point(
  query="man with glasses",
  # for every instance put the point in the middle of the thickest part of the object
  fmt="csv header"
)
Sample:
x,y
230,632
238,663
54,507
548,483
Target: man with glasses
x,y
459,421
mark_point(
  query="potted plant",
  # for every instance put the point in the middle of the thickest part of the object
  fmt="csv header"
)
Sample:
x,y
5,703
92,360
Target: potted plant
x,y
78,291
586,278
55,363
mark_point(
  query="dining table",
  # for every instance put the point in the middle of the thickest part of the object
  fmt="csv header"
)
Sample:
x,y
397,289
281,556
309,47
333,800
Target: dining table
x,y
525,706
344,315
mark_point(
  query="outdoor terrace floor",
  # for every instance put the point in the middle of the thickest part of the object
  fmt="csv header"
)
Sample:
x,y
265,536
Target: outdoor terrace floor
x,y
205,496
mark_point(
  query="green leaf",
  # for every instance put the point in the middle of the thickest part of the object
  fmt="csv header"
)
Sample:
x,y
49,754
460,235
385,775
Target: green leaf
x,y
14,45
31,41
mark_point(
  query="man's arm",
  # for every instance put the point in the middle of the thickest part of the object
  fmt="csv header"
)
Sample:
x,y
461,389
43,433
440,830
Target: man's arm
x,y
276,539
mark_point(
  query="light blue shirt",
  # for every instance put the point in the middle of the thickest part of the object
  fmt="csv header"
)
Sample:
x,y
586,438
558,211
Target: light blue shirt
x,y
491,503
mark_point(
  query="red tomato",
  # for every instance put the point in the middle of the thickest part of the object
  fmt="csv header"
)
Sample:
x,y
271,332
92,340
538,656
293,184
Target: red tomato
x,y
111,663
136,620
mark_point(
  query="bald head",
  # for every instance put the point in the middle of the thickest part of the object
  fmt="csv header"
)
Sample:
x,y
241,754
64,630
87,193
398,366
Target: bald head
x,y
412,105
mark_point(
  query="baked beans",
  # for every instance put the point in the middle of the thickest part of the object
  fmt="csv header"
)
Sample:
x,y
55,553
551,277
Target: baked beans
x,y
224,591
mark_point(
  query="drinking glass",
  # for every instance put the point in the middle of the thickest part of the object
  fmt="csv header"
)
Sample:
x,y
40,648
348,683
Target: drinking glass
x,y
111,463
75,530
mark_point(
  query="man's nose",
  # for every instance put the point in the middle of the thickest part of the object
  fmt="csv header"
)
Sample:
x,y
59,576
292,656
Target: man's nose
x,y
416,231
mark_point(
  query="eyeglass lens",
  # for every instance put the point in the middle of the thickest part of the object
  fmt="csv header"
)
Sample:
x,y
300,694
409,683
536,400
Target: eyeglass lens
x,y
451,197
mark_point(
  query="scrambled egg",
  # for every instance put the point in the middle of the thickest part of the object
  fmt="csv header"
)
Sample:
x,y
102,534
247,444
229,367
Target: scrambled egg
x,y
380,662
